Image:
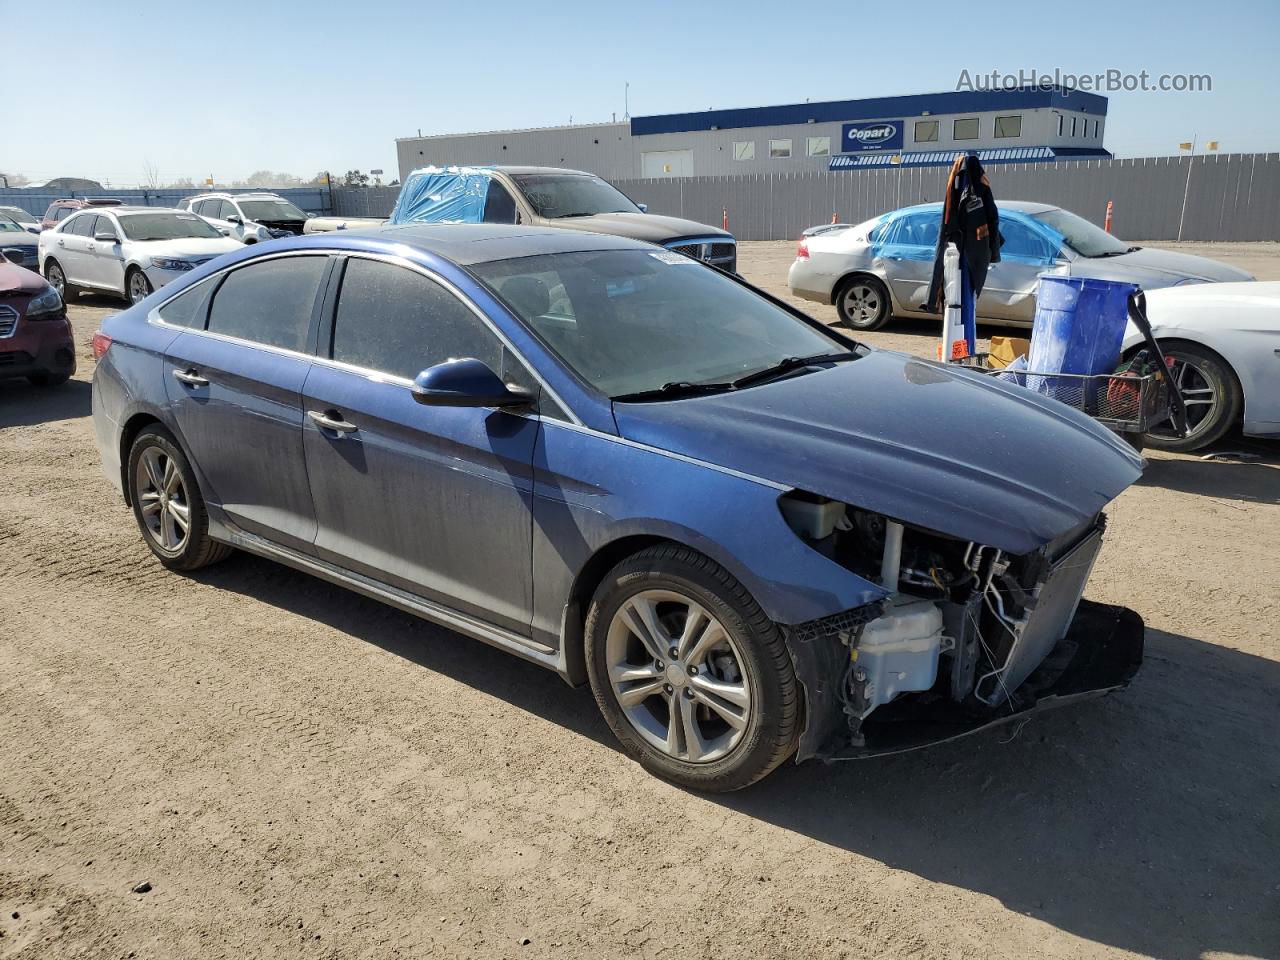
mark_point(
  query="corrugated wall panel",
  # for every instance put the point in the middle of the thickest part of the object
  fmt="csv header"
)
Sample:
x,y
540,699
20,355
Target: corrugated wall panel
x,y
1231,197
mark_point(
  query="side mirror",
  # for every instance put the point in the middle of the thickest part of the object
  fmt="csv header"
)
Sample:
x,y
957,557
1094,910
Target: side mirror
x,y
106,238
465,383
225,231
235,219
34,228
644,207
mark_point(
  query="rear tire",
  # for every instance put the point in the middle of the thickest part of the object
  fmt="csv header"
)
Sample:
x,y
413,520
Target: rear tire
x,y
1212,392
863,303
167,503
58,280
711,698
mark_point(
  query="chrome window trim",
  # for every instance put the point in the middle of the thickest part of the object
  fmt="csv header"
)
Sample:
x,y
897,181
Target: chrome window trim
x,y
378,376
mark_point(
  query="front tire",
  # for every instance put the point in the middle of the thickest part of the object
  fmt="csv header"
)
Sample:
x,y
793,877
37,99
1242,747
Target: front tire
x,y
136,286
690,674
863,303
1212,395
167,503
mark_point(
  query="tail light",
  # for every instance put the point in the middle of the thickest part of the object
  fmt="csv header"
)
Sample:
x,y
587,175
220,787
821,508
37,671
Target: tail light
x,y
101,344
802,251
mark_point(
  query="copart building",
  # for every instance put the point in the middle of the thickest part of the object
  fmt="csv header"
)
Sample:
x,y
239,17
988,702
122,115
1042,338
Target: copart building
x,y
1021,125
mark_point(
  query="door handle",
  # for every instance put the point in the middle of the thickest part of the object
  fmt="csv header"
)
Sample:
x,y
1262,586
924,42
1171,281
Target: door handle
x,y
62,243
332,420
190,378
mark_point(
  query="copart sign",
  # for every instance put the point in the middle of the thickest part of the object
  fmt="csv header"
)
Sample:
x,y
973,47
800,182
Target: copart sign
x,y
871,135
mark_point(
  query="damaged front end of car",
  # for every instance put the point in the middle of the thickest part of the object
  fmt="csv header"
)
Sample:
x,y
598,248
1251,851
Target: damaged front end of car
x,y
967,635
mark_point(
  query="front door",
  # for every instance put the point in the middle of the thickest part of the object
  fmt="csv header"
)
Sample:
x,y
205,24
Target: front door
x,y
1010,291
106,257
433,500
236,391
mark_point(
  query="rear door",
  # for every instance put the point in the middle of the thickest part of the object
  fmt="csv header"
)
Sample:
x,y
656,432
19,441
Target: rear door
x,y
433,500
71,249
236,390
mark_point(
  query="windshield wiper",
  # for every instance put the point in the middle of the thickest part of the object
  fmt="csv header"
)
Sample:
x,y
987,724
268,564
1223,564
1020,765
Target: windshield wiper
x,y
565,216
674,391
783,367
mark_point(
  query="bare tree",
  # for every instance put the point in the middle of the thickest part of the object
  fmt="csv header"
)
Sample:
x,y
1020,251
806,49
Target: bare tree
x,y
151,174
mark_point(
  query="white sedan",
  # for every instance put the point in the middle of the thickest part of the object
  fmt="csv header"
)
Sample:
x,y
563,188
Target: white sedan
x,y
127,251
1224,341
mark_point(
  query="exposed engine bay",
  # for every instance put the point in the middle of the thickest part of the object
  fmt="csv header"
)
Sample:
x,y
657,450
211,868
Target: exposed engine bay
x,y
967,635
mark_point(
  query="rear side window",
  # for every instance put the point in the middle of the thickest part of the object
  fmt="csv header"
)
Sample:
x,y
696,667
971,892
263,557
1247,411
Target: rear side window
x,y
187,309
61,213
399,322
269,302
81,226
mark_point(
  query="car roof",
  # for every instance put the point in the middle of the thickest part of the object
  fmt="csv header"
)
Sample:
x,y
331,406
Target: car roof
x,y
1017,206
466,244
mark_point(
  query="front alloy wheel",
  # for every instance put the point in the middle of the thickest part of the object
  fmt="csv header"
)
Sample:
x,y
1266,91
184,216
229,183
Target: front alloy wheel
x,y
692,676
678,676
139,287
1210,392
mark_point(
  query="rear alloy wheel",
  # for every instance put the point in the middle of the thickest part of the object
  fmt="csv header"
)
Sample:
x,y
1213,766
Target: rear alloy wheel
x,y
1210,392
692,677
167,503
57,279
138,287
863,303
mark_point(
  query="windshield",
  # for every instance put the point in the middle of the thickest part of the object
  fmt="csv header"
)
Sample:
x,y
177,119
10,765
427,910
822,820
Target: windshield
x,y
629,321
166,226
9,225
571,195
18,214
271,210
1081,235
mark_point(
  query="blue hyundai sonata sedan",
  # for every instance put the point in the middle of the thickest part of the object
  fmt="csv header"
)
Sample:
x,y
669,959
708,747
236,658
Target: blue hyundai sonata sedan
x,y
753,537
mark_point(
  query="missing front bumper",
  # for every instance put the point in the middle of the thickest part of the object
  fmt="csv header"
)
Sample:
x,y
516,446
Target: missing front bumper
x,y
1100,653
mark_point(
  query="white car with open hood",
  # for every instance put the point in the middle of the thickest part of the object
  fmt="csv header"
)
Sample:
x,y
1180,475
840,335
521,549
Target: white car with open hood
x,y
127,251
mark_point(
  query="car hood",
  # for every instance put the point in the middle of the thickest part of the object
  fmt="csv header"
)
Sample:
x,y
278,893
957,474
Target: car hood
x,y
1153,268
14,238
16,279
188,247
640,226
942,448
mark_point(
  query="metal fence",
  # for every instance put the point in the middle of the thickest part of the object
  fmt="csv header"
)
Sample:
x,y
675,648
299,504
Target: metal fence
x,y
1229,197
309,199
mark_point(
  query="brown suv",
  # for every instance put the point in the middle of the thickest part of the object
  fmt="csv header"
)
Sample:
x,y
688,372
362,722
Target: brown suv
x,y
59,210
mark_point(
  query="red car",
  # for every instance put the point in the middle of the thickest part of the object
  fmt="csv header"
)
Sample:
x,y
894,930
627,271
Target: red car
x,y
59,210
35,334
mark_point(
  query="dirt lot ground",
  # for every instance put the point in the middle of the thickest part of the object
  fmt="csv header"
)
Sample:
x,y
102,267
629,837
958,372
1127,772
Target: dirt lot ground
x,y
298,772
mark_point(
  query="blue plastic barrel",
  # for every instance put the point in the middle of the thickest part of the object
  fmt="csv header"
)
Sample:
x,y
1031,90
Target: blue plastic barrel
x,y
1079,325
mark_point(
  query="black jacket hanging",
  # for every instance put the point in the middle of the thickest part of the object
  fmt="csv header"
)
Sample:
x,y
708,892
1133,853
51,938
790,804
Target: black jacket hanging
x,y
971,221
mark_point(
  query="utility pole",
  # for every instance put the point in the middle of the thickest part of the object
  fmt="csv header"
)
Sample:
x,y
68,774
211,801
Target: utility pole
x,y
1186,192
626,100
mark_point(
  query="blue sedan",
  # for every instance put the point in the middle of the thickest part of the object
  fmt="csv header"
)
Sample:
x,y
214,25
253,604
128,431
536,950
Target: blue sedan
x,y
753,537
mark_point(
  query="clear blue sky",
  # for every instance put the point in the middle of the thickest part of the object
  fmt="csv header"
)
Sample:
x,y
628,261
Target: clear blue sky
x,y
231,87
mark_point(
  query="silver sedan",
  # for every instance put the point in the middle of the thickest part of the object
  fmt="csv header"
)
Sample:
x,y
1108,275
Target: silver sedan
x,y
881,268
